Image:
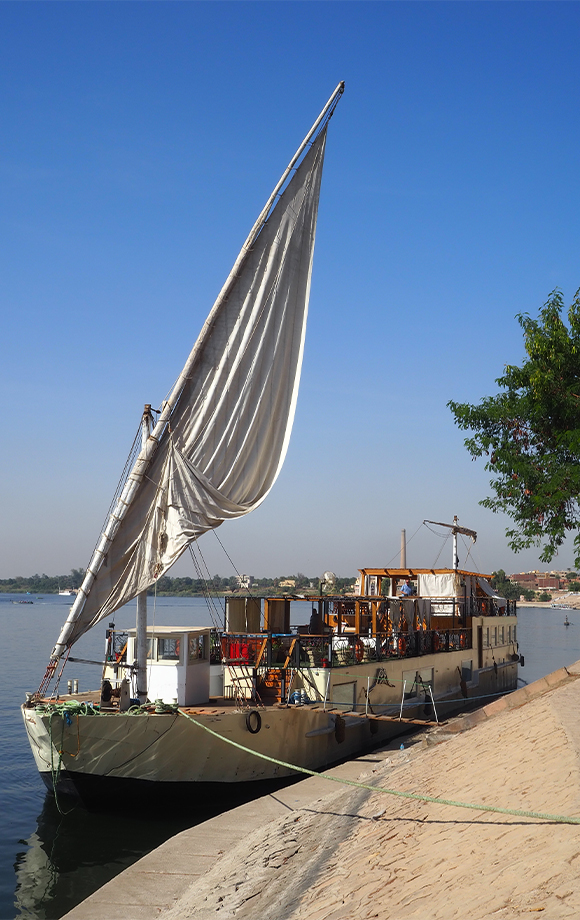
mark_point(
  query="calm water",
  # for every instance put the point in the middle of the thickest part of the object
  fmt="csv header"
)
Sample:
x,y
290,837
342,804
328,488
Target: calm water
x,y
50,862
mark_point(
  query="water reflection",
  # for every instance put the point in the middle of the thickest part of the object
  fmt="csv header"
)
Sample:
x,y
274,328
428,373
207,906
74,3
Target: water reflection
x,y
69,856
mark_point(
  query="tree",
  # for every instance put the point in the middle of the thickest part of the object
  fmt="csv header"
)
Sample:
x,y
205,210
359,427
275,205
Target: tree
x,y
503,585
77,577
531,433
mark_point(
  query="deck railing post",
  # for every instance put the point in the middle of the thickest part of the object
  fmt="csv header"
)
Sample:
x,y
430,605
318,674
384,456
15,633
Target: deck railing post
x,y
326,690
402,700
433,702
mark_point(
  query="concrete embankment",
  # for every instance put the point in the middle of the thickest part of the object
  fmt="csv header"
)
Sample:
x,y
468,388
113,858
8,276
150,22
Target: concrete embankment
x,y
322,851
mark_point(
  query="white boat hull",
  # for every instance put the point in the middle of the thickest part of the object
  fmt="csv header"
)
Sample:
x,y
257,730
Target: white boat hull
x,y
116,749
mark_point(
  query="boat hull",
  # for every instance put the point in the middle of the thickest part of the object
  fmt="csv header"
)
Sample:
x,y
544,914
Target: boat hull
x,y
87,753
170,749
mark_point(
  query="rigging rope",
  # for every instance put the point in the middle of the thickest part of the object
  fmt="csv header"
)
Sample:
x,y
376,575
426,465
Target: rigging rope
x,y
209,599
390,562
417,797
469,553
441,548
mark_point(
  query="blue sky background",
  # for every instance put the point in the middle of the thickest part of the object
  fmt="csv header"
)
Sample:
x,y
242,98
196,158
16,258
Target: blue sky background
x,y
139,142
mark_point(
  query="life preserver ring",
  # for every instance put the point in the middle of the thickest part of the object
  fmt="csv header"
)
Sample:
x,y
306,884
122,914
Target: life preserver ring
x,y
253,721
402,645
359,650
462,640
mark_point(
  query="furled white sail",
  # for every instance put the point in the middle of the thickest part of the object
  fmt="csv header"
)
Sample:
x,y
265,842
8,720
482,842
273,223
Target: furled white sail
x,y
227,436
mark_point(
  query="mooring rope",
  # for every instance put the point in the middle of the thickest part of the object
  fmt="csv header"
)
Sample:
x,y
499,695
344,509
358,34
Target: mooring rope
x,y
417,797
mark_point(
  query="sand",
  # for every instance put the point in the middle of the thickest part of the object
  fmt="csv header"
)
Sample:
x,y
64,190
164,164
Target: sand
x,y
360,854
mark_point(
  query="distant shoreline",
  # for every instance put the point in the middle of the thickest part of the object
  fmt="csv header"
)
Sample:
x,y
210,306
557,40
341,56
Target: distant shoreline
x,y
548,604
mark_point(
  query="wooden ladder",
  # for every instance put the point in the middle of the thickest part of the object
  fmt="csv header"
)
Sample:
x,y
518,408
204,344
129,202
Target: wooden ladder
x,y
273,685
243,680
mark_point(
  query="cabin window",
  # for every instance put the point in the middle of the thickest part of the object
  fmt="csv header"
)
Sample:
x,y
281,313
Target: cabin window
x,y
486,637
168,648
501,635
116,648
495,635
196,648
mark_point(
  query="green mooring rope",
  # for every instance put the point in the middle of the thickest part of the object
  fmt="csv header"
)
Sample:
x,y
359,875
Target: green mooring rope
x,y
516,813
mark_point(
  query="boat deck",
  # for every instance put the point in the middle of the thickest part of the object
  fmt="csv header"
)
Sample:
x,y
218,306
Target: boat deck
x,y
222,705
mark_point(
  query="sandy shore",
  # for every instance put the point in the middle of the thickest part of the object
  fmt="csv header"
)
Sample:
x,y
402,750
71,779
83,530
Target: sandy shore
x,y
359,854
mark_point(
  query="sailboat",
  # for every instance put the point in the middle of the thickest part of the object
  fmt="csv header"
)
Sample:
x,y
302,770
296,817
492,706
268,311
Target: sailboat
x,y
184,706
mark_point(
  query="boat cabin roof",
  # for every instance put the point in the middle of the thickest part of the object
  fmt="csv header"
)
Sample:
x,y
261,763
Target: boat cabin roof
x,y
170,630
412,573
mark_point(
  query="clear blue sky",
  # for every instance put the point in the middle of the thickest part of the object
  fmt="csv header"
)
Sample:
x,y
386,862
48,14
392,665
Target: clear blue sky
x,y
140,141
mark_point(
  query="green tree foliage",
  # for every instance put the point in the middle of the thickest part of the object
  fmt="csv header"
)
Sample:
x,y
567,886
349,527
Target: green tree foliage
x,y
503,585
176,587
77,577
530,433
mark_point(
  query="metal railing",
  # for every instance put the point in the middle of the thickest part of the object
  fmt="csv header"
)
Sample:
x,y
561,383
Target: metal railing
x,y
324,651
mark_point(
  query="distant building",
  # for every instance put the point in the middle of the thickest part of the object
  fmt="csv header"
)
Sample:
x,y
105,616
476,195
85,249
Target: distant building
x,y
244,581
287,583
549,581
526,579
538,580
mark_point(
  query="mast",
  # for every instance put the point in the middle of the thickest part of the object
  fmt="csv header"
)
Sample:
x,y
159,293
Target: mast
x,y
141,619
455,529
147,454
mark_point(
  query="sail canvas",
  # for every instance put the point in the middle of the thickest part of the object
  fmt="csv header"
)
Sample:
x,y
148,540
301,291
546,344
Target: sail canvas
x,y
227,436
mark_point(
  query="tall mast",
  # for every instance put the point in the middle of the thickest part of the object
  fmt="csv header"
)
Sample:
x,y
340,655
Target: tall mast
x,y
141,619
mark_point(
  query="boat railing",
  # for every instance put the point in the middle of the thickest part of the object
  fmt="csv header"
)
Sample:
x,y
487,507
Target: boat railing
x,y
370,610
348,649
266,651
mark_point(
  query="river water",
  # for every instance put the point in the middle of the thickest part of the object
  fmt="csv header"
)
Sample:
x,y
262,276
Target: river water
x,y
48,861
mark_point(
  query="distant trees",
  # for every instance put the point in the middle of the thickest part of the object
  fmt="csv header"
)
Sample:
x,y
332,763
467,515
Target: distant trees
x,y
77,577
179,586
504,587
42,584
